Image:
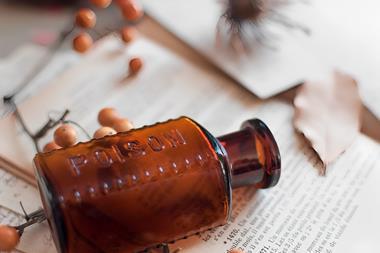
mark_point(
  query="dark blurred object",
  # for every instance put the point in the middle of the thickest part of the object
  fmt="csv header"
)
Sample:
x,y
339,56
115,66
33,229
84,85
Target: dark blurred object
x,y
44,2
243,22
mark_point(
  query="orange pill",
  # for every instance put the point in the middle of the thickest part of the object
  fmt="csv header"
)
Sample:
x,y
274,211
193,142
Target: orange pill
x,y
107,116
122,125
135,65
85,18
104,131
50,147
128,34
131,10
9,238
101,3
65,136
82,42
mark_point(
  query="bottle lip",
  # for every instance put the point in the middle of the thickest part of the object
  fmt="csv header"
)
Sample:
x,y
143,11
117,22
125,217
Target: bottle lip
x,y
272,153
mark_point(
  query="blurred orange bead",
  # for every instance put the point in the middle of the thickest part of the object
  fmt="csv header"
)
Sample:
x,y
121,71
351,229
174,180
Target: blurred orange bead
x,y
82,42
85,18
135,65
128,34
9,238
122,125
104,131
50,147
236,251
101,3
107,116
120,3
131,10
65,136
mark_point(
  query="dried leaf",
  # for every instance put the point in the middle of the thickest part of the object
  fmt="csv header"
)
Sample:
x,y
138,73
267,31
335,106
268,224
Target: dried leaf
x,y
329,115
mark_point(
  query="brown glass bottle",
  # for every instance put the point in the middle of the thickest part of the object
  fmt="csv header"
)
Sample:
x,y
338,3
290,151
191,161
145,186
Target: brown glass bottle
x,y
134,190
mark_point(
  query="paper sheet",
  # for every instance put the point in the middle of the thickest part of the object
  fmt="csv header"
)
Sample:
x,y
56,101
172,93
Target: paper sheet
x,y
297,208
100,80
345,34
18,65
167,87
12,191
304,212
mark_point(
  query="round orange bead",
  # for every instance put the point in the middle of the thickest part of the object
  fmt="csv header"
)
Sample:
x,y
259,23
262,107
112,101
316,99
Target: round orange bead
x,y
85,18
128,34
82,42
236,251
9,238
101,3
104,131
65,136
120,3
50,147
122,125
131,10
135,65
107,116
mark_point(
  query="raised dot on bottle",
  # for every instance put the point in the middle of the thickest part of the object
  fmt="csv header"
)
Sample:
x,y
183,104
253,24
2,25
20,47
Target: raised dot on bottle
x,y
77,196
120,183
106,188
61,201
175,167
187,163
91,191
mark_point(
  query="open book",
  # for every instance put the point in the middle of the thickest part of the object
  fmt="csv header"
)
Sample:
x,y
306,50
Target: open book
x,y
304,213
345,34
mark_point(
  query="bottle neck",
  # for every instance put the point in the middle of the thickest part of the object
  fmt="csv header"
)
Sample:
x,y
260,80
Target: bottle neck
x,y
253,155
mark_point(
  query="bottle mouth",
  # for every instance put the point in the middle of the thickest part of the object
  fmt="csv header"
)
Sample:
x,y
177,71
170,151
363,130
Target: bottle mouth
x,y
253,155
272,166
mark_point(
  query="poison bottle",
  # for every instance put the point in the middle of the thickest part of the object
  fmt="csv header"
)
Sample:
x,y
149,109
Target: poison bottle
x,y
137,189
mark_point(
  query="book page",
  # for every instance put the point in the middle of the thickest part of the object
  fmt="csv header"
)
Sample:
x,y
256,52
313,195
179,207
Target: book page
x,y
266,70
22,62
345,34
167,87
98,80
305,212
13,191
